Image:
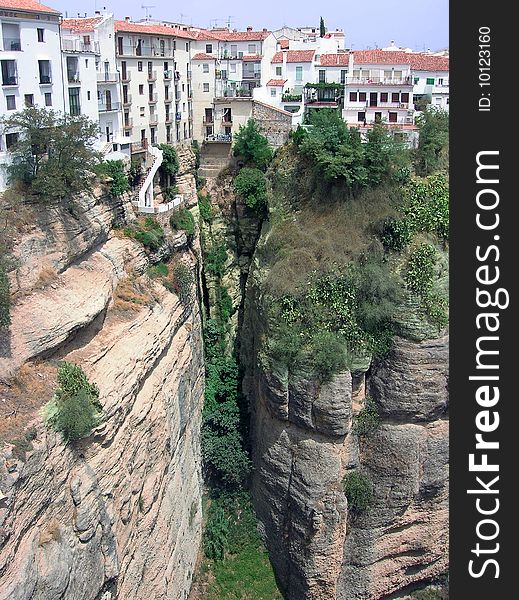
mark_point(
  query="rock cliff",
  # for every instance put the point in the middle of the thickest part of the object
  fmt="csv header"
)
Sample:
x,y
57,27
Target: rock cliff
x,y
118,514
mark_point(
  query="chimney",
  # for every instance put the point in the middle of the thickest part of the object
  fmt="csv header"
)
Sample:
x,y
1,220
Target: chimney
x,y
249,28
97,13
127,19
264,30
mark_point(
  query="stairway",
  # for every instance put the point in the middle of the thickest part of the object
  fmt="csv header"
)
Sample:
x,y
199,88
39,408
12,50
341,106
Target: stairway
x,y
213,158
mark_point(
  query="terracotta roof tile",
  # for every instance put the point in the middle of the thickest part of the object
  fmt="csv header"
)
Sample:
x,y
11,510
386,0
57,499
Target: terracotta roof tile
x,y
27,5
294,56
252,57
203,56
233,36
331,60
154,30
86,24
419,61
284,44
277,82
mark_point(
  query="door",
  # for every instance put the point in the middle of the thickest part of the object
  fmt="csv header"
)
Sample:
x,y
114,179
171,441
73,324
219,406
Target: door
x,y
108,99
108,133
373,98
107,75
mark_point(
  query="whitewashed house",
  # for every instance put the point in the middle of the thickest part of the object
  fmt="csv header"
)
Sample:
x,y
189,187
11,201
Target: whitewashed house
x,y
30,61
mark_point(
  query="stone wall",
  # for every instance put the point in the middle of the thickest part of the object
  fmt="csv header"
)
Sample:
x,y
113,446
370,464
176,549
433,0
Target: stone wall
x,y
275,124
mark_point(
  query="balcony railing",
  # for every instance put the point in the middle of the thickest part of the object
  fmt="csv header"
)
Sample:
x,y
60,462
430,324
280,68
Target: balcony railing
x,y
128,123
292,98
152,75
219,137
178,116
45,79
251,75
168,100
208,120
10,80
233,93
151,51
169,118
127,99
126,77
168,74
153,98
108,77
80,46
154,119
177,75
227,121
189,75
12,44
379,81
73,78
110,107
383,105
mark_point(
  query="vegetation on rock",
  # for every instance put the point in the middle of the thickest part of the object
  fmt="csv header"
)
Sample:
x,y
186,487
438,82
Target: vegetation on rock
x,y
183,220
252,146
148,232
358,490
115,170
367,421
251,185
433,143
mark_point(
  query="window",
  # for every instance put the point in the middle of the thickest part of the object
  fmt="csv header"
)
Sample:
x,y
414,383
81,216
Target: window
x,y
430,81
152,135
273,91
279,71
208,48
10,140
168,133
86,63
206,87
447,101
404,97
353,96
73,99
187,46
48,99
88,94
72,69
343,76
41,33
378,117
361,117
11,102
234,50
362,96
141,89
383,97
205,68
139,66
299,73
141,111
233,67
251,48
392,117
322,76
440,81
11,37
395,97
44,68
9,76
29,99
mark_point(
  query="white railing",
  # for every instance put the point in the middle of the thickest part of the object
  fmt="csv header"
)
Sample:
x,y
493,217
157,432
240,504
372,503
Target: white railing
x,y
75,45
162,208
156,153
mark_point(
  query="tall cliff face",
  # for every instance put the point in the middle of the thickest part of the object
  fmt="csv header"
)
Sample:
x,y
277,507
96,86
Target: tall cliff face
x,y
303,445
117,515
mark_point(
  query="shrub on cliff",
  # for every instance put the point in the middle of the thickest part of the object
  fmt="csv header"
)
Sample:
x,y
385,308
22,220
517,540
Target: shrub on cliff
x,y
251,186
183,220
367,421
182,282
53,156
75,408
115,170
170,165
5,298
148,232
433,143
358,490
252,146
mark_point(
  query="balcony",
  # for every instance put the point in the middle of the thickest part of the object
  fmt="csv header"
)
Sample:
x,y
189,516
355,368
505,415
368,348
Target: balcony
x,y
292,98
10,80
128,123
107,77
127,100
74,45
111,107
177,75
45,80
12,45
379,81
227,121
73,78
148,51
154,119
178,116
168,75
153,98
381,105
208,120
230,92
168,100
169,119
141,146
189,75
126,77
255,76
152,75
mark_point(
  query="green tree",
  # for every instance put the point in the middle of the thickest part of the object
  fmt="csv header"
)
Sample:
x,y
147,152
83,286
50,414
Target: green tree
x,y
54,154
385,157
322,28
251,185
252,146
170,165
183,220
433,143
115,170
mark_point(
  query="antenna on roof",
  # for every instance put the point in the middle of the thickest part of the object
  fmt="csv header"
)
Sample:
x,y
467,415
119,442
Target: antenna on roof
x,y
146,8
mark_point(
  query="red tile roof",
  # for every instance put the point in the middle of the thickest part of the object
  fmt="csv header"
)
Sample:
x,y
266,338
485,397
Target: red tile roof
x,y
252,57
233,36
154,30
27,5
294,56
87,24
419,61
284,44
277,82
203,56
331,60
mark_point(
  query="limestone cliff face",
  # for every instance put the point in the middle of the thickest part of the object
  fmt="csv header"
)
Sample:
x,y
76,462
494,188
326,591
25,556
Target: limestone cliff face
x,y
303,445
117,515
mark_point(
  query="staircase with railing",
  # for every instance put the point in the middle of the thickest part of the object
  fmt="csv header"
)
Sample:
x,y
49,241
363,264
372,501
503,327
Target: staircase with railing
x,y
143,194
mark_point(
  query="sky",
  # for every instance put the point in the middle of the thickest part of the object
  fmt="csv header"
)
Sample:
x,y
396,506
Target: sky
x,y
420,25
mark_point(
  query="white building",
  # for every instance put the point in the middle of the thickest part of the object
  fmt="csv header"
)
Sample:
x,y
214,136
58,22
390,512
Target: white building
x,y
30,60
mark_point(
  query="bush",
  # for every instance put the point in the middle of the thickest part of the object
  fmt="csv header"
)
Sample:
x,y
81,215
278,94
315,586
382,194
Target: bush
x,y
158,270
215,260
216,532
251,185
358,490
419,276
75,409
367,420
5,298
224,304
328,355
115,170
183,281
252,146
169,167
204,205
183,220
148,232
396,234
433,142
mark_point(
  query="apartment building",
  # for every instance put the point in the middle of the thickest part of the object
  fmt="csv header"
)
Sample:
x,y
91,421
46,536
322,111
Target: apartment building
x,y
155,70
30,60
227,67
431,79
